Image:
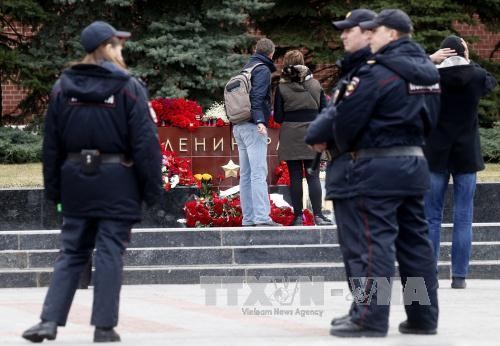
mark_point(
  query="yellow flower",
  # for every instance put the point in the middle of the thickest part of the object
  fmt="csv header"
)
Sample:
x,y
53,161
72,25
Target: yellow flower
x,y
198,176
206,177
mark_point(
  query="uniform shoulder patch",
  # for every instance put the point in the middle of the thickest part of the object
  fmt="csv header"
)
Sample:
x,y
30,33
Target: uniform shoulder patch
x,y
424,89
352,86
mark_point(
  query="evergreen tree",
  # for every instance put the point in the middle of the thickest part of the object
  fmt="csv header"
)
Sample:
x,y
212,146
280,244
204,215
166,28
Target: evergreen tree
x,y
13,43
180,48
307,24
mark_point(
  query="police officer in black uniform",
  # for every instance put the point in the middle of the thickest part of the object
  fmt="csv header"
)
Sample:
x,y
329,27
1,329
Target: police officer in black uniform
x,y
101,159
356,43
389,106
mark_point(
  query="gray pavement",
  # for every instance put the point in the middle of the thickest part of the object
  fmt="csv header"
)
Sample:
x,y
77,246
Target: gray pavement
x,y
190,315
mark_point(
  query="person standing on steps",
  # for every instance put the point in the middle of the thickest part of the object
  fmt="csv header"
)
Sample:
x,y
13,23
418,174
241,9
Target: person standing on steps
x,y
298,99
251,137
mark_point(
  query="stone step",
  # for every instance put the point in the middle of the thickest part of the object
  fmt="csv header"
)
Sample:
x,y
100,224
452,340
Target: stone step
x,y
225,255
40,277
210,237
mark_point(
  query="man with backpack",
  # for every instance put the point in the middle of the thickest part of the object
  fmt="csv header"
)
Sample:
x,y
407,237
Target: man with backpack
x,y
251,137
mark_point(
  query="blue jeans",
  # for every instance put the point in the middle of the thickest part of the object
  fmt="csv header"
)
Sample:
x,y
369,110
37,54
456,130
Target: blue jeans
x,y
464,187
254,196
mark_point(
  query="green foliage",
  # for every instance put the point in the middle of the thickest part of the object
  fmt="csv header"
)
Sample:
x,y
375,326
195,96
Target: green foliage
x,y
306,24
489,107
13,44
18,146
490,144
180,48
191,48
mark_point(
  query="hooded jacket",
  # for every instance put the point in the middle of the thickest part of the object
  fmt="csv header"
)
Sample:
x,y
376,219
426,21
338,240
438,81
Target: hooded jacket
x,y
103,108
260,94
454,145
298,99
391,101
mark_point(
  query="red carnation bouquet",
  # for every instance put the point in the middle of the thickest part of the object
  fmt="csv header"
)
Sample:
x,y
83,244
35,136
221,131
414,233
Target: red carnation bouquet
x,y
217,211
213,211
175,170
177,112
281,172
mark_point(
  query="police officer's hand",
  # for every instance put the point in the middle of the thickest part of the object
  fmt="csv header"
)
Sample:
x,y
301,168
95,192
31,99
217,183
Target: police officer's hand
x,y
442,54
262,129
319,147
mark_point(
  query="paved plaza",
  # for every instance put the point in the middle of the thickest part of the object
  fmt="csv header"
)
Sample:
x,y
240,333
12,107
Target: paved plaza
x,y
190,315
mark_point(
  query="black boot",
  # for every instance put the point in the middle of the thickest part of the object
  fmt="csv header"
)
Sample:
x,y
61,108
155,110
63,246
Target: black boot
x,y
406,328
43,330
457,282
349,329
322,220
102,334
340,320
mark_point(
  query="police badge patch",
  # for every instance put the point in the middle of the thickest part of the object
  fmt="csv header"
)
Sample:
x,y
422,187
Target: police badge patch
x,y
424,89
351,87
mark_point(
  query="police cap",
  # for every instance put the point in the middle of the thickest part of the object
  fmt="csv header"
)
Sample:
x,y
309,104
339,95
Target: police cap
x,y
392,18
98,32
353,19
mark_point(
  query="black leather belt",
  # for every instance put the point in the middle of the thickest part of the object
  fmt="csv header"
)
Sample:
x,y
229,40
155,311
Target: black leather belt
x,y
388,152
104,158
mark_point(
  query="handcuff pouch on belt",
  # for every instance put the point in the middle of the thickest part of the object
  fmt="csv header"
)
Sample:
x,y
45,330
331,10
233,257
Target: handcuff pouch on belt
x,y
90,160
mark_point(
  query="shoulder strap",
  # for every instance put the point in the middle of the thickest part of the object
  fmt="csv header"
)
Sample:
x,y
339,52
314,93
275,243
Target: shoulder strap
x,y
250,69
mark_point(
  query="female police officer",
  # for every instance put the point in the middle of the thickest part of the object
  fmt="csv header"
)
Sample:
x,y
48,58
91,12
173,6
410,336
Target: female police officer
x,y
101,159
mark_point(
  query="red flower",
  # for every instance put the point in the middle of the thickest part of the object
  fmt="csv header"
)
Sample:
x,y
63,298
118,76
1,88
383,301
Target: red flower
x,y
281,172
220,123
273,124
307,218
177,112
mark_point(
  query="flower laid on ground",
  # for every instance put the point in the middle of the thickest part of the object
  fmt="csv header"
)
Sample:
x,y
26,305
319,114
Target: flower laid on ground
x,y
282,174
175,170
213,211
177,112
307,218
282,215
216,114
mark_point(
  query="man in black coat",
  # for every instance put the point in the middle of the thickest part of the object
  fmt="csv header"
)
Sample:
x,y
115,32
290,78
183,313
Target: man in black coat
x,y
356,43
101,159
454,148
389,106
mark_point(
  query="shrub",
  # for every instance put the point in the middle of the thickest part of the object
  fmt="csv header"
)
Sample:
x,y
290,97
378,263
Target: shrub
x,y
490,144
18,146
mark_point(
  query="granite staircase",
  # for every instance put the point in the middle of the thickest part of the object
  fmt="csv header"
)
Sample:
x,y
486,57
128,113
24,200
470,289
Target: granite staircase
x,y
181,256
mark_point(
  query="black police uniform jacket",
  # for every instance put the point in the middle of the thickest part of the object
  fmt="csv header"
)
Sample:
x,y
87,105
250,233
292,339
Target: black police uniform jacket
x,y
321,129
103,108
454,145
391,101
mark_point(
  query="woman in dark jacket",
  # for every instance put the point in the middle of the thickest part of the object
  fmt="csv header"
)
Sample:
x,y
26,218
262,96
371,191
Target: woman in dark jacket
x,y
101,160
453,148
298,100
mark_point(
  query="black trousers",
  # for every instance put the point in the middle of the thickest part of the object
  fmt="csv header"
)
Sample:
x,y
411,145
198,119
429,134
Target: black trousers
x,y
296,169
374,232
78,238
